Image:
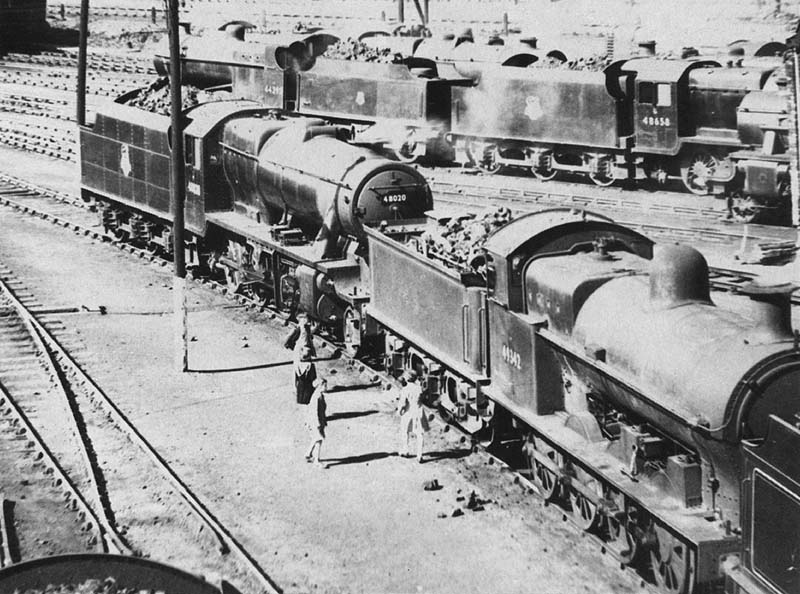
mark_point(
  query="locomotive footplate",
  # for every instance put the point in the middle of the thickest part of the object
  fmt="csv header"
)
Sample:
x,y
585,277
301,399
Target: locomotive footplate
x,y
709,542
260,233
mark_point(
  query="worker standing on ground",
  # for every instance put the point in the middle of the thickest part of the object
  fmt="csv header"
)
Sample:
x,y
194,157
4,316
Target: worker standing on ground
x,y
316,421
413,417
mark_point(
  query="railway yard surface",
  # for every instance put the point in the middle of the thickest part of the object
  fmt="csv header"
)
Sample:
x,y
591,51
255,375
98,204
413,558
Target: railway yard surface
x,y
205,470
231,430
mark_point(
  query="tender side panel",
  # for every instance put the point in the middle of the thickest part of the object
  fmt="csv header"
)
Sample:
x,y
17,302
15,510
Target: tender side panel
x,y
388,92
129,163
427,305
574,111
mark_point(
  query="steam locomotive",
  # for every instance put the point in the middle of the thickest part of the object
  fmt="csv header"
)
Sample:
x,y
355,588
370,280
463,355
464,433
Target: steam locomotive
x,y
262,205
652,413
715,129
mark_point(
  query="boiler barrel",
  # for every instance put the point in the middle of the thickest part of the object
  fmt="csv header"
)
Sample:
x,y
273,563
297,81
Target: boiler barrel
x,y
311,174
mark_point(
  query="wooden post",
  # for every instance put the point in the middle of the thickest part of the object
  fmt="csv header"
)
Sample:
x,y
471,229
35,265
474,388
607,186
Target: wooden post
x,y
83,32
401,11
177,189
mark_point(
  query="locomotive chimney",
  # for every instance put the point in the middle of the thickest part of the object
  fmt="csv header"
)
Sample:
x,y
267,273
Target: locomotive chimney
x,y
678,275
771,310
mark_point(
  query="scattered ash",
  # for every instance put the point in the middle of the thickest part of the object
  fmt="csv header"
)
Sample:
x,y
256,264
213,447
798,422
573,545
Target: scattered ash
x,y
156,97
351,49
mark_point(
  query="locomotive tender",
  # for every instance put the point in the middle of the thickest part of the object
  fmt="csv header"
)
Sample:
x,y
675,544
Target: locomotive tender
x,y
633,392
720,130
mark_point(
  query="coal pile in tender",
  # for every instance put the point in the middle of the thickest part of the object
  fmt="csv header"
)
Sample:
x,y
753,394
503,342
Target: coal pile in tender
x,y
352,49
156,97
458,242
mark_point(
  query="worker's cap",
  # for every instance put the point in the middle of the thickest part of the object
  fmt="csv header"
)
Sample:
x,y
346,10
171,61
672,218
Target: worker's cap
x,y
320,381
410,375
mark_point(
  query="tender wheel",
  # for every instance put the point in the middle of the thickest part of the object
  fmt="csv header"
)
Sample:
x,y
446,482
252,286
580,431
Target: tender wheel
x,y
584,510
407,150
604,175
544,170
485,157
672,563
696,172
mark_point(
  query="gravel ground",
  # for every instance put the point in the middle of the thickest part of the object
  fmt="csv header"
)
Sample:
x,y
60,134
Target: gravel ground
x,y
233,433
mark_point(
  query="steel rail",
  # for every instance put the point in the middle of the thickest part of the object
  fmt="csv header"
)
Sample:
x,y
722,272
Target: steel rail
x,y
226,541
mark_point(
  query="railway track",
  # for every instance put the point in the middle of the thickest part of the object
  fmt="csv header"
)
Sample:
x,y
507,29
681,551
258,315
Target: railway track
x,y
78,437
506,454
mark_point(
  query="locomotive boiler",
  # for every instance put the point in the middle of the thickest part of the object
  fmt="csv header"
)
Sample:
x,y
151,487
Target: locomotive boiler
x,y
630,383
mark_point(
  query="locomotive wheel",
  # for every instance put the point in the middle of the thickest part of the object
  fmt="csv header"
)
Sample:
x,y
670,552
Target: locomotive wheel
x,y
235,277
696,171
351,328
584,510
488,160
619,531
545,479
604,176
544,172
405,152
743,208
656,172
671,562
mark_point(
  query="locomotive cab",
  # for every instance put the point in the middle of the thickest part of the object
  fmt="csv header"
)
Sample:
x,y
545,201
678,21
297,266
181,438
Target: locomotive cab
x,y
660,123
770,499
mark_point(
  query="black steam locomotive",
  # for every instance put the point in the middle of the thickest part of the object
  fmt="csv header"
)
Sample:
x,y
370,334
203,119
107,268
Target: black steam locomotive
x,y
715,129
632,389
261,205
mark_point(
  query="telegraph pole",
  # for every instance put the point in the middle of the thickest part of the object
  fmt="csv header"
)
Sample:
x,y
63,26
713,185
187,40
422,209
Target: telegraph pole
x,y
83,39
177,189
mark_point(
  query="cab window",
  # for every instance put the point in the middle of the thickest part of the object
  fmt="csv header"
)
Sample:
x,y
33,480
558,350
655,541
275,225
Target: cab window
x,y
658,94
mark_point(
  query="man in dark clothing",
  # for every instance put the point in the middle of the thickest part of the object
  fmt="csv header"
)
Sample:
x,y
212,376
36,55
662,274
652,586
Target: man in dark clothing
x,y
304,375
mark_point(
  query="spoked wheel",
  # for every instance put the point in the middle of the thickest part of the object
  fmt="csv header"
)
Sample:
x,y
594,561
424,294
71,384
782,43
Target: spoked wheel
x,y
407,150
604,174
544,478
544,170
672,562
486,157
656,172
351,331
697,170
744,209
618,529
584,509
235,276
